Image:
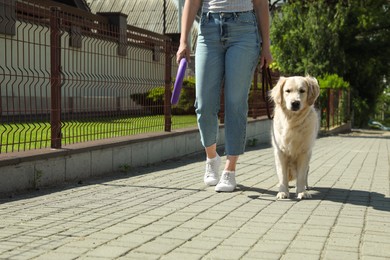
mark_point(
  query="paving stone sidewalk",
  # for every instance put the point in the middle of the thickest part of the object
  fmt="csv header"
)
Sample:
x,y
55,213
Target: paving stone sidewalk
x,y
166,212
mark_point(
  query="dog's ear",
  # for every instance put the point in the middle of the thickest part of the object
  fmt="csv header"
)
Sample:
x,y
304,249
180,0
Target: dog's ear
x,y
277,91
313,90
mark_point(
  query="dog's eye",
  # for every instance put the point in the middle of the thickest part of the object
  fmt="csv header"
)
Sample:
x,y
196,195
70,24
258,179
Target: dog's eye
x,y
302,91
288,91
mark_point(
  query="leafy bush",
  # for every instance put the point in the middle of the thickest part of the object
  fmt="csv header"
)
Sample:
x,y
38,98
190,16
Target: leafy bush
x,y
332,81
153,100
186,102
151,103
156,94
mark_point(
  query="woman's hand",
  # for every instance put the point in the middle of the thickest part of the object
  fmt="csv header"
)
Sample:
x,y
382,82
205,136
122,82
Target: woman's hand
x,y
265,56
263,21
183,52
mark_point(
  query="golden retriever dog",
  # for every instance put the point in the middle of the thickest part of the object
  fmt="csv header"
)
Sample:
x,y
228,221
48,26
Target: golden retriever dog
x,y
294,131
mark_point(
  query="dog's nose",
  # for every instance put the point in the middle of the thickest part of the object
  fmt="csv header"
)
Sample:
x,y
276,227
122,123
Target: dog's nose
x,y
295,105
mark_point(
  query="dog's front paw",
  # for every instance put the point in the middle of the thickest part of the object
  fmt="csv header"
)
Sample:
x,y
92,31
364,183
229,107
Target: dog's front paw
x,y
304,195
282,195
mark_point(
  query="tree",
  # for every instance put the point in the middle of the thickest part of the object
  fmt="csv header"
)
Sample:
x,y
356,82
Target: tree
x,y
349,38
383,107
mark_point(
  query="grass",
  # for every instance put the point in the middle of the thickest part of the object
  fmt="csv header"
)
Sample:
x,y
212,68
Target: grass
x,y
35,135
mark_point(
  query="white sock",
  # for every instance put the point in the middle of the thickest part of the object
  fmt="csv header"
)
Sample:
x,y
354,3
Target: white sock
x,y
212,159
228,172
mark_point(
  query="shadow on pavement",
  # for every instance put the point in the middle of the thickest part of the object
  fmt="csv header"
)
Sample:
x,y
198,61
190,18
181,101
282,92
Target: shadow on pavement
x,y
257,190
362,198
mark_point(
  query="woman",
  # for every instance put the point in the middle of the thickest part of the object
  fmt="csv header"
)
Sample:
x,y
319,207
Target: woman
x,y
230,36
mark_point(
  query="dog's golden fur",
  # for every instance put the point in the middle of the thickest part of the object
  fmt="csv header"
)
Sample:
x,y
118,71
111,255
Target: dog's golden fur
x,y
295,128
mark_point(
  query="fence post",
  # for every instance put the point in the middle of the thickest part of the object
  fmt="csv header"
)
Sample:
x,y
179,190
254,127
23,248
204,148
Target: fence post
x,y
55,78
339,116
349,105
328,109
168,84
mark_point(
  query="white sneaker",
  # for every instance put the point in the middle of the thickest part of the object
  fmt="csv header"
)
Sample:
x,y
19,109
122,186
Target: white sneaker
x,y
227,182
211,175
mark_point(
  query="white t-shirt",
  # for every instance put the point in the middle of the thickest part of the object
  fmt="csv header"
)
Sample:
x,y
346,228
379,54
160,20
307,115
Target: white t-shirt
x,y
216,6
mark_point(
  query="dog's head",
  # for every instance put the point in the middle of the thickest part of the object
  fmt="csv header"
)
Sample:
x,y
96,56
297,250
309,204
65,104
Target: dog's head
x,y
295,93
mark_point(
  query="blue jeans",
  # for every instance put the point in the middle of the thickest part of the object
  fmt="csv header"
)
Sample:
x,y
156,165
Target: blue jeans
x,y
228,49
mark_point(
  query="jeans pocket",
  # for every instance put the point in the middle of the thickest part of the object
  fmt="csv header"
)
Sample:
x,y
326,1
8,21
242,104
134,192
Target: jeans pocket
x,y
204,19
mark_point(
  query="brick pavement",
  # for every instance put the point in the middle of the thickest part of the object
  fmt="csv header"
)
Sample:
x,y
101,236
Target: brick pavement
x,y
166,212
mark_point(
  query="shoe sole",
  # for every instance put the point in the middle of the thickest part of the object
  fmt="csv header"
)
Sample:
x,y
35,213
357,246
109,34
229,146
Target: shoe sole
x,y
224,189
211,183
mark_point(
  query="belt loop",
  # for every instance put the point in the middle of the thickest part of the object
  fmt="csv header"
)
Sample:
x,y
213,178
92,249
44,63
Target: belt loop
x,y
235,15
208,16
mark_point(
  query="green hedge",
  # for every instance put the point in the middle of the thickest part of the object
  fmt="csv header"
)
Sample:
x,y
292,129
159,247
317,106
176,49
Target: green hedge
x,y
153,100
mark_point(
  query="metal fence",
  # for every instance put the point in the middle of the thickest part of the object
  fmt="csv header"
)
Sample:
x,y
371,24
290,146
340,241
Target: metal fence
x,y
70,76
335,107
